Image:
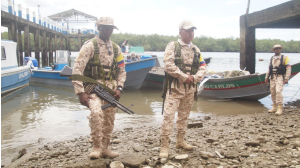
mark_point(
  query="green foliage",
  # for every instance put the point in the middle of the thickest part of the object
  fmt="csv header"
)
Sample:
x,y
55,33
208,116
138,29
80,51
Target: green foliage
x,y
155,42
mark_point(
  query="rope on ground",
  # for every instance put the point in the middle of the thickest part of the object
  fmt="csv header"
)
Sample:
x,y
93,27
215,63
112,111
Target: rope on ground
x,y
294,95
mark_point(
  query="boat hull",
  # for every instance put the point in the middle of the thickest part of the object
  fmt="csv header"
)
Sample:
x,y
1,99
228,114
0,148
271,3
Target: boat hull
x,y
249,87
155,80
156,76
136,73
15,78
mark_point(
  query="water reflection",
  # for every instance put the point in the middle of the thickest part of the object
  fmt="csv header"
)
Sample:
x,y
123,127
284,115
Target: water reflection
x,y
230,107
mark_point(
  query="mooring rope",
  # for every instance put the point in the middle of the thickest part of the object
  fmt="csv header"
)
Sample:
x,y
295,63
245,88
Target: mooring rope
x,y
294,95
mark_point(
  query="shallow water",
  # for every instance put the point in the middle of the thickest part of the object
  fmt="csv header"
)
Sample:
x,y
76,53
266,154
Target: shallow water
x,y
53,113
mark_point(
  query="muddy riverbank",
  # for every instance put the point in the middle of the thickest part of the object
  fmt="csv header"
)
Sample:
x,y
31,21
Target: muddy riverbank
x,y
249,140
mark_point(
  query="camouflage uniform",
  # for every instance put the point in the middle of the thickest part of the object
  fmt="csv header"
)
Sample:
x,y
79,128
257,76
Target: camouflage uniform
x,y
180,99
101,121
277,81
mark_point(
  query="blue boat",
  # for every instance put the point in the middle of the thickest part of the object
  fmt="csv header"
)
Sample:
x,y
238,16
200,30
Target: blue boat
x,y
136,71
12,76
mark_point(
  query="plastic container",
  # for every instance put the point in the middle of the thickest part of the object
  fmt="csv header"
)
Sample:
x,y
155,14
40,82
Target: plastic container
x,y
146,57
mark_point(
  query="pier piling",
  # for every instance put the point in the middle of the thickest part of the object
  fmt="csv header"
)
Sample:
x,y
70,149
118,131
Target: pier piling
x,y
283,16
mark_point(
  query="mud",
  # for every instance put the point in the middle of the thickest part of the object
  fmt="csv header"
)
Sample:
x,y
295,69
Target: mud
x,y
249,140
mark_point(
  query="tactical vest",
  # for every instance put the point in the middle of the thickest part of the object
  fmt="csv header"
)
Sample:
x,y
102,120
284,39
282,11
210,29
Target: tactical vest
x,y
280,70
95,70
180,64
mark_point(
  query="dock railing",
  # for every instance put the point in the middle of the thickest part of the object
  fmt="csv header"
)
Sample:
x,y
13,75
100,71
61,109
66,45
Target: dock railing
x,y
26,13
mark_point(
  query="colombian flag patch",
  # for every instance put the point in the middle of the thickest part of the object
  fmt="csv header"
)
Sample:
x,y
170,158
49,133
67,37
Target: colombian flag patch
x,y
120,60
202,62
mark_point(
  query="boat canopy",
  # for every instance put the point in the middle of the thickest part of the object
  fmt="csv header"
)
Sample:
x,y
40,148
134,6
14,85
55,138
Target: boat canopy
x,y
136,49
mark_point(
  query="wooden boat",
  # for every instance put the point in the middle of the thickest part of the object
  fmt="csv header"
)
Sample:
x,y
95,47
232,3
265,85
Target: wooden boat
x,y
250,87
136,71
156,76
12,76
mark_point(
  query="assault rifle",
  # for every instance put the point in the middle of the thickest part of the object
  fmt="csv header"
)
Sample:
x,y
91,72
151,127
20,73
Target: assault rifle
x,y
92,86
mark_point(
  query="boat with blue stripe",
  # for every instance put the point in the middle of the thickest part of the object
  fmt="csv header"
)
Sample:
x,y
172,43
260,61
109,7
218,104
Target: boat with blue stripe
x,y
12,76
136,71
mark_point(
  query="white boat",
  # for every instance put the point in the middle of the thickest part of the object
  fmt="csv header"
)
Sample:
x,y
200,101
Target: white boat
x,y
12,76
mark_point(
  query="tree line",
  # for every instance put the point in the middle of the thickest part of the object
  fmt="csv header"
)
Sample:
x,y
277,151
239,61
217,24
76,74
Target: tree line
x,y
157,42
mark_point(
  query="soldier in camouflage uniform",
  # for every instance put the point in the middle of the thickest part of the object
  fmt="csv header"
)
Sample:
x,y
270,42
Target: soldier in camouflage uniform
x,y
185,67
279,73
102,60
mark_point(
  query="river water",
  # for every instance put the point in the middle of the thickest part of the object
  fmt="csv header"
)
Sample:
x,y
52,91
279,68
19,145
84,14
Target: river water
x,y
42,113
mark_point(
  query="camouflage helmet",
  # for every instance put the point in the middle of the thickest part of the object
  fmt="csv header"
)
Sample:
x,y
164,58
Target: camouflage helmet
x,y
106,21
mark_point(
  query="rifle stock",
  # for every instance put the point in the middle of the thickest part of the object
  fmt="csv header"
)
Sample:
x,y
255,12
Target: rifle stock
x,y
164,92
92,86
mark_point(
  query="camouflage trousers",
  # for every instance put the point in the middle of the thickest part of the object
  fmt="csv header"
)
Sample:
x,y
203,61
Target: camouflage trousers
x,y
180,102
276,87
101,121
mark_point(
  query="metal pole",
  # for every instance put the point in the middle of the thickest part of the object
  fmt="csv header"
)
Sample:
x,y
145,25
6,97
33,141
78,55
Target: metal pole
x,y
247,10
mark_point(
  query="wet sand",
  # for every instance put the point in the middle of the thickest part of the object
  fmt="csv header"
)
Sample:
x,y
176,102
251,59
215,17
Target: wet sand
x,y
245,140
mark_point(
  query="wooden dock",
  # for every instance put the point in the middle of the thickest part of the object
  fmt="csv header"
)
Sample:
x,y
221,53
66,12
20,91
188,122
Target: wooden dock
x,y
46,40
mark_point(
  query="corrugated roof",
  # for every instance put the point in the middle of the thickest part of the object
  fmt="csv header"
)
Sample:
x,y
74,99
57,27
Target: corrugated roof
x,y
73,16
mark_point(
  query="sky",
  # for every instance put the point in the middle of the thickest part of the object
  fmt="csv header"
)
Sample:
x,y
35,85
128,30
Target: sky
x,y
213,18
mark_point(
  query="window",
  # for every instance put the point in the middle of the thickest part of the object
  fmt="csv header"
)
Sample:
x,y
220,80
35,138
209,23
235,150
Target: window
x,y
3,55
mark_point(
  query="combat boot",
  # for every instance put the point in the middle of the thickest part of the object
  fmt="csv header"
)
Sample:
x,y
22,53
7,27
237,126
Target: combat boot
x,y
274,109
96,150
106,150
181,143
279,110
164,150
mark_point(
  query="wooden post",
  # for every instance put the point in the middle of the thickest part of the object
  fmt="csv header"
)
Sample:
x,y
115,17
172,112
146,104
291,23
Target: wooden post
x,y
66,43
80,42
44,52
69,46
9,33
37,46
20,48
61,43
55,47
247,46
50,49
27,41
12,35
14,31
